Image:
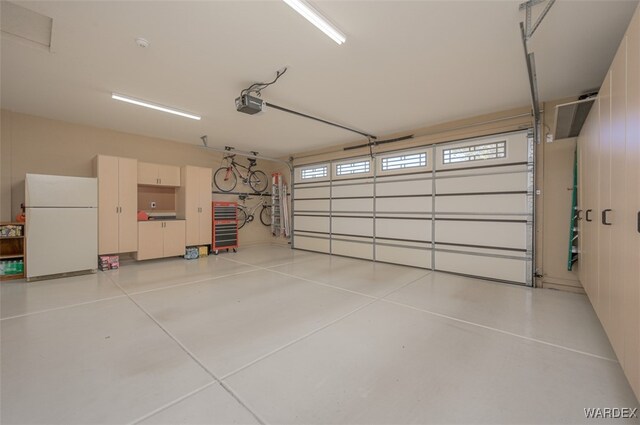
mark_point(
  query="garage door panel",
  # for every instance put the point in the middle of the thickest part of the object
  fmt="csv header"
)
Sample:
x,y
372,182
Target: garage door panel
x,y
347,205
312,243
352,226
352,248
411,187
503,203
419,230
404,205
302,205
513,270
358,189
311,223
483,233
404,255
312,192
483,183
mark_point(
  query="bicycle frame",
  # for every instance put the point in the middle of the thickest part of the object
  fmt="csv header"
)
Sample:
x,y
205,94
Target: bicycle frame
x,y
232,164
250,210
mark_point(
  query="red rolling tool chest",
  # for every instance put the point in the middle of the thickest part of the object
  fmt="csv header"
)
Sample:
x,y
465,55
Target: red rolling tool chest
x,y
225,226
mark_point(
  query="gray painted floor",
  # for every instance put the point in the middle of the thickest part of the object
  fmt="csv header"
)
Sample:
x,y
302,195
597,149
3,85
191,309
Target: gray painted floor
x,y
279,336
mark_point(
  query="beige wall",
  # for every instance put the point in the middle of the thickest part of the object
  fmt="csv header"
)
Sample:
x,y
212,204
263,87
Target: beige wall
x,y
38,145
30,144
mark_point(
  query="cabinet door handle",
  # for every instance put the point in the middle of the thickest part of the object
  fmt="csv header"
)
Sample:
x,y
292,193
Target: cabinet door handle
x,y
587,216
604,217
638,221
578,212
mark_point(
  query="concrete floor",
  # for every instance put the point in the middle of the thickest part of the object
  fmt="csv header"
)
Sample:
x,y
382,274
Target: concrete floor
x,y
279,336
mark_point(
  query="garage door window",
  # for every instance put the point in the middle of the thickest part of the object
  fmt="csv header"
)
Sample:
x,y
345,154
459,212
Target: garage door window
x,y
314,172
481,152
353,168
391,163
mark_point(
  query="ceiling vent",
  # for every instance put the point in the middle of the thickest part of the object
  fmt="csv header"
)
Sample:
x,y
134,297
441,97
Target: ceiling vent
x,y
570,117
25,25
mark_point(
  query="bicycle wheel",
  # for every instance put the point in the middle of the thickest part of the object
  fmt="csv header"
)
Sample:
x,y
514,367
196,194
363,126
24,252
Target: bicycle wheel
x,y
258,181
242,217
265,215
225,179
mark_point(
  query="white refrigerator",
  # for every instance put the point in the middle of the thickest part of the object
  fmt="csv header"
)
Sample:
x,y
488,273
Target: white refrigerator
x,y
61,225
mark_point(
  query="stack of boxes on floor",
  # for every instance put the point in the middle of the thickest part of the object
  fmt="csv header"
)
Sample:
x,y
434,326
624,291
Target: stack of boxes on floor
x,y
108,262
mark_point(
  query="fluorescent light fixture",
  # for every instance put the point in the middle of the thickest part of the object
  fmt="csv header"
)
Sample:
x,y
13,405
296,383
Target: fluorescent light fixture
x,y
313,16
146,104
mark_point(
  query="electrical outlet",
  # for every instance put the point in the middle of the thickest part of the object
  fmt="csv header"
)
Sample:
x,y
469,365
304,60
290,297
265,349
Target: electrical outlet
x,y
153,204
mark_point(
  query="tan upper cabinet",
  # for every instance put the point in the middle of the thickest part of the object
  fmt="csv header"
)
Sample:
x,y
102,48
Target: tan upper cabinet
x,y
194,204
169,175
158,239
148,173
158,174
117,204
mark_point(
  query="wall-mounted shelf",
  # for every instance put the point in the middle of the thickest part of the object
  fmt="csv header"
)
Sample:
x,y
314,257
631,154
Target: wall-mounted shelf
x,y
12,248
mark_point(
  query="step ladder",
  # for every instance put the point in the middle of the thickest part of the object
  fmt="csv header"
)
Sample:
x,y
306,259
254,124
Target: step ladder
x,y
279,206
573,253
276,204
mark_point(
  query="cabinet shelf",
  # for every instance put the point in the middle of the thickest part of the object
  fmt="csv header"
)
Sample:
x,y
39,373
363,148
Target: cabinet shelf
x,y
12,276
6,257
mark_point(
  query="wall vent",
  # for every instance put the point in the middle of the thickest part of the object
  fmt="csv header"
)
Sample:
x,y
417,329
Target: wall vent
x,y
570,117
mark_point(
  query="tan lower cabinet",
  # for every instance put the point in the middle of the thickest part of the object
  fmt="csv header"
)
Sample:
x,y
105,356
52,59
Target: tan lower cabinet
x,y
159,239
150,240
609,146
173,240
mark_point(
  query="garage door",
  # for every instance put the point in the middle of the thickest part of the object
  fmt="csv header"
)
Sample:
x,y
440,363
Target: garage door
x,y
463,207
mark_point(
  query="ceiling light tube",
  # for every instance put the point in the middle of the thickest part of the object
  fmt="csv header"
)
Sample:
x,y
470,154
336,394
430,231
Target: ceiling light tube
x,y
313,16
146,104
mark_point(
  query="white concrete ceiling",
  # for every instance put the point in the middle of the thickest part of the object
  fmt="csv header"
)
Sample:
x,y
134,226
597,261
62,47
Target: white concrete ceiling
x,y
405,65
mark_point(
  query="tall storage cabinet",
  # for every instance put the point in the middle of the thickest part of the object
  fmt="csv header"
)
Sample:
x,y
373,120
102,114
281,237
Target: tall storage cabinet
x,y
117,204
194,204
609,146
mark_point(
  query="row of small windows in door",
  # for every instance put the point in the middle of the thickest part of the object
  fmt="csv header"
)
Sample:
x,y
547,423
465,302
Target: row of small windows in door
x,y
481,152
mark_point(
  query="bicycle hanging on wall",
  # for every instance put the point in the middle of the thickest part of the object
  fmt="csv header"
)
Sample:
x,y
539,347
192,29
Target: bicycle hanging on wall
x,y
246,214
226,177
